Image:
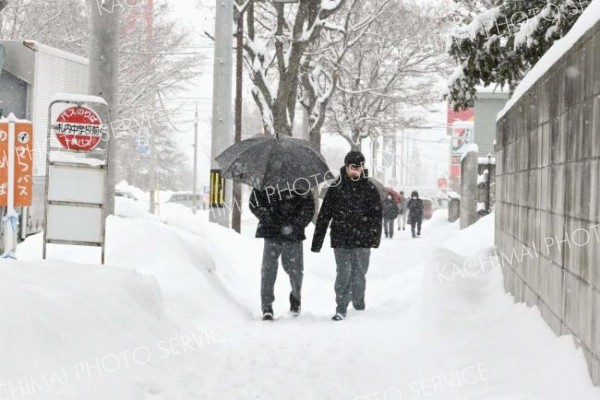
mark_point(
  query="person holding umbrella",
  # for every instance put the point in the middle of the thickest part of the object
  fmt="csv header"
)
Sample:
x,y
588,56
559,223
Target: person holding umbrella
x,y
283,170
353,206
415,216
282,217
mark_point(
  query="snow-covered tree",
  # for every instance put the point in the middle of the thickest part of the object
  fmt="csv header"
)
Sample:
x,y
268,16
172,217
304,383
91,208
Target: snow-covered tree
x,y
396,66
502,43
277,37
322,65
154,64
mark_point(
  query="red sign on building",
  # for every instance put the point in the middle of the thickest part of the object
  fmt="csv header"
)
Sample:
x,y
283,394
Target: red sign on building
x,y
79,129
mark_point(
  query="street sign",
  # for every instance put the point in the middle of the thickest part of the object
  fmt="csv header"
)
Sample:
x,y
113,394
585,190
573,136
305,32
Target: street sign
x,y
79,129
23,160
76,184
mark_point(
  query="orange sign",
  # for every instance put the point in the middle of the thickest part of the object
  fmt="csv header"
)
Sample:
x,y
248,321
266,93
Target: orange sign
x,y
23,163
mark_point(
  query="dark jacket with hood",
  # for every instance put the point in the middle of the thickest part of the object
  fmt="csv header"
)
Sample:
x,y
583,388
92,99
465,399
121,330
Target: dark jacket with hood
x,y
390,209
354,209
415,207
282,216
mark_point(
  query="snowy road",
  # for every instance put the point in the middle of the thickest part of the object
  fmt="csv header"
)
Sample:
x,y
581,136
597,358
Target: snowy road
x,y
423,335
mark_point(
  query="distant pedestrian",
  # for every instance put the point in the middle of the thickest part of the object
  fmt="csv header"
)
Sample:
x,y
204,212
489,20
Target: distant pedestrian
x,y
353,206
415,216
282,217
402,211
390,213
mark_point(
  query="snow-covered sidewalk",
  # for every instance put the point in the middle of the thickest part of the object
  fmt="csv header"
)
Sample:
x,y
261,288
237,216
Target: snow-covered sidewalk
x,y
175,315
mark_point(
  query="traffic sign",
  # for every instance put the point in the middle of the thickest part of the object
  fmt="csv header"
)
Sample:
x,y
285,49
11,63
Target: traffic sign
x,y
79,129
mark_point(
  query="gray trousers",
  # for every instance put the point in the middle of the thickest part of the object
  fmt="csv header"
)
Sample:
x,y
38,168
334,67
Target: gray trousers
x,y
402,220
293,264
351,282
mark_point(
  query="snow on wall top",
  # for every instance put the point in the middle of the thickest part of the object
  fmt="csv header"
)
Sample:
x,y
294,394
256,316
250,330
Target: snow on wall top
x,y
471,148
12,118
78,98
586,21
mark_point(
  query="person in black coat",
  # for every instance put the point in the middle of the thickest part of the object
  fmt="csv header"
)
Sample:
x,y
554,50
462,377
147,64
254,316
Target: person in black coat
x,y
390,213
282,217
415,216
353,206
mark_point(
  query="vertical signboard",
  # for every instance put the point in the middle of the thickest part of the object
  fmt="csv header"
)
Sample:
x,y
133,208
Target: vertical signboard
x,y
23,163
460,128
217,188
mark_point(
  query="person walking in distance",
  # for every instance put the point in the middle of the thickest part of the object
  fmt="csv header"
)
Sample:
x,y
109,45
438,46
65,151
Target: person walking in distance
x,y
402,212
390,213
282,218
415,216
353,206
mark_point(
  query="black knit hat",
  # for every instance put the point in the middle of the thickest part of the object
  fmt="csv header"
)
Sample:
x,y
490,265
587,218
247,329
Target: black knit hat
x,y
354,158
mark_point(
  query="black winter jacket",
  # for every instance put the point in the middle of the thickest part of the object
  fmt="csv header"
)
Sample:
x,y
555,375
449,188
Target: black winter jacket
x,y
282,216
390,209
415,207
355,211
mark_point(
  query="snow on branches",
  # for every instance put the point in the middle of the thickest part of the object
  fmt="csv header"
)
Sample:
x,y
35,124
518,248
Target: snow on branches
x,y
277,38
502,43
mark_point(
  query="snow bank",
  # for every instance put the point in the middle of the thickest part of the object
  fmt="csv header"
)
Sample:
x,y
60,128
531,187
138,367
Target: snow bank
x,y
57,316
586,21
469,320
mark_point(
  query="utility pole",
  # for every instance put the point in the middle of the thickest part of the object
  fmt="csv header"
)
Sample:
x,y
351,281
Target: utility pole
x,y
104,74
236,219
195,182
222,136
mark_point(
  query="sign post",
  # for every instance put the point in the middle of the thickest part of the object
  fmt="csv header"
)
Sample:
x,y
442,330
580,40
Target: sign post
x,y
76,172
15,176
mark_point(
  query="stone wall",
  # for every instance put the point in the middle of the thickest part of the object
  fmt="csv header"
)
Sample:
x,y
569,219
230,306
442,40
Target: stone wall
x,y
547,198
469,194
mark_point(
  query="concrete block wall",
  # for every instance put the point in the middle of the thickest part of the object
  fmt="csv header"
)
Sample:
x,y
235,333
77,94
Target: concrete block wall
x,y
469,193
548,197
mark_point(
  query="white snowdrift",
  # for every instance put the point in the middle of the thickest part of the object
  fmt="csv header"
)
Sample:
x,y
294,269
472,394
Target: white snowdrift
x,y
185,290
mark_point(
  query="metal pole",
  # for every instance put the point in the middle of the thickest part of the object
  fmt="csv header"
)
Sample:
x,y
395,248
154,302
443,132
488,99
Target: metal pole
x,y
10,226
222,101
489,183
195,182
236,219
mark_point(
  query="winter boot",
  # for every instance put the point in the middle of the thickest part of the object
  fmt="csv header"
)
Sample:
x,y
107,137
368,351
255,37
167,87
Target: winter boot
x,y
338,317
267,314
294,306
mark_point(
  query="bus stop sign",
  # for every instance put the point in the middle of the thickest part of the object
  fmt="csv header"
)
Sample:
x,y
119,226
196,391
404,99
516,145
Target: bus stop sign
x,y
78,129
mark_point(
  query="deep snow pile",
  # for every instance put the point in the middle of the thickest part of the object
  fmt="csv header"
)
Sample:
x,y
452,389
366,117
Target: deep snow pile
x,y
179,301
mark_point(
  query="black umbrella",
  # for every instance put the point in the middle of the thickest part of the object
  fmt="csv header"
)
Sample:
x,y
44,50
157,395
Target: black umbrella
x,y
280,163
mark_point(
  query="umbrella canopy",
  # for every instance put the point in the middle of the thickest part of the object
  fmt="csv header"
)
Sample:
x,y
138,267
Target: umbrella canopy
x,y
268,161
395,195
